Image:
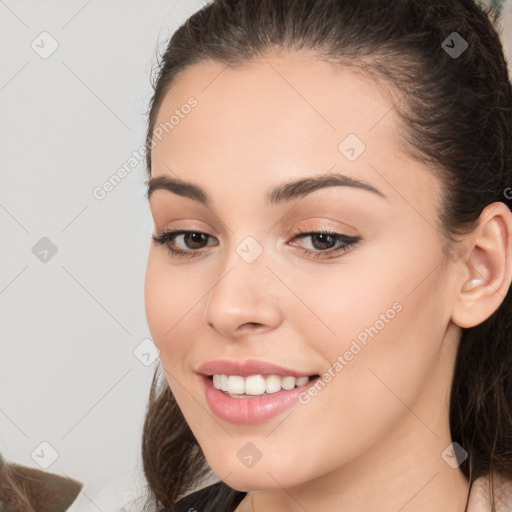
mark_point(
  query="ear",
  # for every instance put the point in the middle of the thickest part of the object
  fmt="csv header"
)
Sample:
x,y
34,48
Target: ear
x,y
486,267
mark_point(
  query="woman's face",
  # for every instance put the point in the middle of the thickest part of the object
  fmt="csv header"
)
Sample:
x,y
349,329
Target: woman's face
x,y
368,311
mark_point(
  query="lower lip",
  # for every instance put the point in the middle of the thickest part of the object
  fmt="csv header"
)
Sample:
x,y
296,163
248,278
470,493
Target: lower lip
x,y
247,411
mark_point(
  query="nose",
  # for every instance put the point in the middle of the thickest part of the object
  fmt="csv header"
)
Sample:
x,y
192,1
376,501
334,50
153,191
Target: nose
x,y
244,299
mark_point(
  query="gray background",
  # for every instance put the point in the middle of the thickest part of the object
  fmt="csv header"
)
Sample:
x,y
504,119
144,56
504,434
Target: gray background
x,y
73,372
69,325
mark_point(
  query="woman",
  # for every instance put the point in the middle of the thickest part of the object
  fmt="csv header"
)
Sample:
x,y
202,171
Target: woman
x,y
329,283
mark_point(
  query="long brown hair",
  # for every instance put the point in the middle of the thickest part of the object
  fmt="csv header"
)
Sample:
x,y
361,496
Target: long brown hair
x,y
457,118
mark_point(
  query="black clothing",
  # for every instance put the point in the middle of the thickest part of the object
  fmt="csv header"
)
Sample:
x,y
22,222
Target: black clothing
x,y
217,497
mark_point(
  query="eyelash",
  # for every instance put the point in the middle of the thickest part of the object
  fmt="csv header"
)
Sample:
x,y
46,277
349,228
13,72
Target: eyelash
x,y
166,237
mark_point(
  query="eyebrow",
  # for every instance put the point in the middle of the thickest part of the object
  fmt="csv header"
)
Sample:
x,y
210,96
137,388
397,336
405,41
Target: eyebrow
x,y
280,194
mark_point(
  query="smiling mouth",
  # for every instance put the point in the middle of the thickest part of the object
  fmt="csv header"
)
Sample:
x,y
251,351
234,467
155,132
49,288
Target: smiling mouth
x,y
237,386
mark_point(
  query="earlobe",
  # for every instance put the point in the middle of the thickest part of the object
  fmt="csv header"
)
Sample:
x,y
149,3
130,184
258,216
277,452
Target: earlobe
x,y
487,269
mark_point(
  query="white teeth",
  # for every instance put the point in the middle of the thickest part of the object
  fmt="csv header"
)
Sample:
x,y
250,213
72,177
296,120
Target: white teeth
x,y
223,382
273,384
256,384
288,382
301,381
236,385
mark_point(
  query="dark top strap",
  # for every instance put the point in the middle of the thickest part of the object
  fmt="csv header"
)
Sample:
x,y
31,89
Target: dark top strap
x,y
218,497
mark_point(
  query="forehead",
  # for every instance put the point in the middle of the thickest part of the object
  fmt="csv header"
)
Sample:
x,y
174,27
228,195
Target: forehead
x,y
281,116
292,93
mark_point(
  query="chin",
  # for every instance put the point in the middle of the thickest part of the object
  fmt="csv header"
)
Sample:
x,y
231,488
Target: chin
x,y
251,480
261,476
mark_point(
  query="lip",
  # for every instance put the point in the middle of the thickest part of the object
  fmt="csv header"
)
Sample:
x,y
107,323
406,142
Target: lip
x,y
251,410
248,367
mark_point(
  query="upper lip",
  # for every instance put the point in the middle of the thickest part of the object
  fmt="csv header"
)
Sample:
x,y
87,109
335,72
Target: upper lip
x,y
248,367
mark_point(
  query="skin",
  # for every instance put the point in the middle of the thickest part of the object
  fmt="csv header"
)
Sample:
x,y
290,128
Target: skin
x,y
375,433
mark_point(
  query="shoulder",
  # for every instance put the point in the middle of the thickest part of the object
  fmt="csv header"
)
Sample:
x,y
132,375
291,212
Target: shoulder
x,y
218,497
480,500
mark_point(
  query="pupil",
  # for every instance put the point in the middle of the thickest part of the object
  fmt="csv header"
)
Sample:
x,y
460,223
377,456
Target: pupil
x,y
324,236
196,238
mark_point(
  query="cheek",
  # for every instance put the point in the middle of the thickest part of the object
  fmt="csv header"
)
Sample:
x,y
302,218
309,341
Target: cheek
x,y
345,300
171,297
171,300
389,288
386,328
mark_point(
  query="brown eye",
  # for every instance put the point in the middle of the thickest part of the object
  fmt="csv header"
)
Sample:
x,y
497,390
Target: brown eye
x,y
193,241
324,242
